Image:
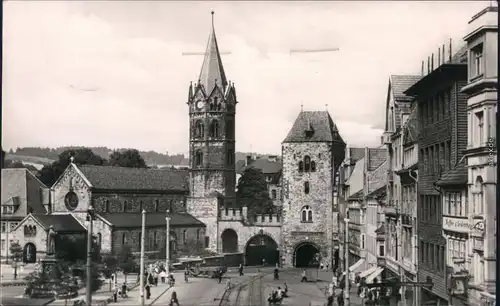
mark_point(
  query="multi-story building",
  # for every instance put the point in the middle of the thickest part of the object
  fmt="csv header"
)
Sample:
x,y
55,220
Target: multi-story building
x,y
398,111
368,176
442,119
482,92
347,184
22,194
408,235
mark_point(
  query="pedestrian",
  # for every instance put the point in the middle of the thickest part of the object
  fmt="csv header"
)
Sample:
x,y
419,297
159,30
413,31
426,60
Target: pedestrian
x,y
148,291
321,266
228,284
173,299
304,277
240,269
327,267
115,294
163,276
340,298
124,290
219,276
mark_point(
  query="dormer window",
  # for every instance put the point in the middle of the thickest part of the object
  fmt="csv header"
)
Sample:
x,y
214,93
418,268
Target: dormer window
x,y
8,209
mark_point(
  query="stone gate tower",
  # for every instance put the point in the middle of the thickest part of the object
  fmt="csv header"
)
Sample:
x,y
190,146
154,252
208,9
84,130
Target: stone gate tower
x,y
312,153
212,108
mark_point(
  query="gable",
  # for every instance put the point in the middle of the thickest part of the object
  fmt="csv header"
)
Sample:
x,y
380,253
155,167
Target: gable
x,y
74,175
31,218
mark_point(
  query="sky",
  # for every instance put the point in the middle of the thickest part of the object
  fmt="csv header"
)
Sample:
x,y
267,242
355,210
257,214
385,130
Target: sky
x,y
99,73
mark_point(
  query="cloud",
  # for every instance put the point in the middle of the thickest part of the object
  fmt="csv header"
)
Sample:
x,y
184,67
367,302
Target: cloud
x,y
113,74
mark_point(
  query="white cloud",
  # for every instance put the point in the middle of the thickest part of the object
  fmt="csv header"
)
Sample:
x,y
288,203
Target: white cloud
x,y
112,73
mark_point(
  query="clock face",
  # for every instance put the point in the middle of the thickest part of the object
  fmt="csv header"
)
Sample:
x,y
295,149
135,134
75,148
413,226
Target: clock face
x,y
199,104
71,200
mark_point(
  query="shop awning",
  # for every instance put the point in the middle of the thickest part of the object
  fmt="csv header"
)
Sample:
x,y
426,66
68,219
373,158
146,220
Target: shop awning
x,y
374,275
356,265
367,272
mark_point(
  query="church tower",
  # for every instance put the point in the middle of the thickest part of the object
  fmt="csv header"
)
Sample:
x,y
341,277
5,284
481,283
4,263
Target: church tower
x,y
212,109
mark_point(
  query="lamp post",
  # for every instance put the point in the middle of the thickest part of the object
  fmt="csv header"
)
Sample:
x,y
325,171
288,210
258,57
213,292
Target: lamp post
x,y
167,241
90,218
143,234
346,257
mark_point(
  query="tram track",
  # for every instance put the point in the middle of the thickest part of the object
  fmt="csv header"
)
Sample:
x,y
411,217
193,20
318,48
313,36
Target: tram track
x,y
248,293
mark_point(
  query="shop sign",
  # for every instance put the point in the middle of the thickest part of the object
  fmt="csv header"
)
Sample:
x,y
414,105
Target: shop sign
x,y
458,283
478,244
459,225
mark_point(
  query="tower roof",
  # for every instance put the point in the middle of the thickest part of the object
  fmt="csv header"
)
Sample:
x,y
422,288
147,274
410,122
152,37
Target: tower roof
x,y
212,71
314,126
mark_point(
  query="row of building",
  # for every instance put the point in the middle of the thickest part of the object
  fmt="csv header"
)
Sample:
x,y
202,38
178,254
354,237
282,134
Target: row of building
x,y
422,206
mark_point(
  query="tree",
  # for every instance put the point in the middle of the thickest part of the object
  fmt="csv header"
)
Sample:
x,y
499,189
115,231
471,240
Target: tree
x,y
16,253
129,158
73,249
109,267
126,261
253,193
82,156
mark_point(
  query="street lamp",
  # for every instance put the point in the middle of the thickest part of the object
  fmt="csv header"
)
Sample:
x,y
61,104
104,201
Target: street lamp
x,y
143,235
90,219
346,256
167,242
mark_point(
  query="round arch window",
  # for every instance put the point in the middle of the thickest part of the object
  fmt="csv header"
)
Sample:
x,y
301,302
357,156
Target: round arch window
x,y
71,200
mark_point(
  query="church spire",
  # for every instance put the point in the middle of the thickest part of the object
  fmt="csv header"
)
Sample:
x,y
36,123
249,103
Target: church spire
x,y
212,72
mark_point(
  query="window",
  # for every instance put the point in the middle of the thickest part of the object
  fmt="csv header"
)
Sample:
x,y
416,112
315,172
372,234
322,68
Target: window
x,y
307,163
229,129
214,129
480,129
184,236
306,214
199,131
13,225
362,241
4,227
478,196
125,206
306,187
197,235
207,241
157,204
273,194
476,67
229,157
29,230
381,250
301,166
124,238
313,166
198,158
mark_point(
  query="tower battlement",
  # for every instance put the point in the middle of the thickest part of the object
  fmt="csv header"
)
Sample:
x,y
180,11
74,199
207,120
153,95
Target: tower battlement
x,y
241,214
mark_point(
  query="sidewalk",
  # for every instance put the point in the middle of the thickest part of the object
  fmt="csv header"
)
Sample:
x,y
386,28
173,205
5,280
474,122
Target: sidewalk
x,y
324,279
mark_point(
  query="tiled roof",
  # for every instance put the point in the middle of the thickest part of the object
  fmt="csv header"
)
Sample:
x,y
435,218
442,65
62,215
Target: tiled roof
x,y
15,183
378,193
60,223
356,154
356,196
121,220
400,83
265,165
121,178
319,123
212,70
380,230
453,177
377,157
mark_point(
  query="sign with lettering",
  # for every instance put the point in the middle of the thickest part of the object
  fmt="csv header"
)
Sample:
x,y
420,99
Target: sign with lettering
x,y
454,224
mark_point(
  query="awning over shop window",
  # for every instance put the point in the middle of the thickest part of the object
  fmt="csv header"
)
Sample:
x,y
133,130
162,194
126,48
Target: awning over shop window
x,y
374,275
367,272
356,265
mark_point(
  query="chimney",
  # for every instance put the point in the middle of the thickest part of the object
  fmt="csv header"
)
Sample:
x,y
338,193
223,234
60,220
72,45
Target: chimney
x,y
428,65
248,160
432,62
273,158
45,199
442,57
439,57
449,52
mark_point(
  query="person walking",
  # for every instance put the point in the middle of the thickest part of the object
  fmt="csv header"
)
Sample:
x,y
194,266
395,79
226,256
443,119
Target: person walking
x,y
340,298
240,269
173,299
148,291
304,277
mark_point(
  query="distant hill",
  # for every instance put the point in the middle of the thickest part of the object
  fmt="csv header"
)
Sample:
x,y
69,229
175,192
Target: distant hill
x,y
45,156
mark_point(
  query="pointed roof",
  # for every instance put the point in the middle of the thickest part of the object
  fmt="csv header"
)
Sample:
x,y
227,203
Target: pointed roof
x,y
319,123
212,70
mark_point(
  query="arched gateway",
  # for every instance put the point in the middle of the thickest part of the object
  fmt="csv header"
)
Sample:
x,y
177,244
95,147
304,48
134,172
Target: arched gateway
x,y
305,255
261,247
229,241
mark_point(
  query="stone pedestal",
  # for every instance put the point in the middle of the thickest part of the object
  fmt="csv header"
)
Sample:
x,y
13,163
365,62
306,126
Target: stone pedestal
x,y
49,266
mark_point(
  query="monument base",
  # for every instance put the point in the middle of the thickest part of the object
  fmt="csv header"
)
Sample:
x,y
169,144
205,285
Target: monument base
x,y
51,286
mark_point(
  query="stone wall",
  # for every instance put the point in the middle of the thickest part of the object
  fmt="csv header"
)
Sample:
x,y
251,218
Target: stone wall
x,y
39,239
206,210
133,202
155,238
246,232
319,199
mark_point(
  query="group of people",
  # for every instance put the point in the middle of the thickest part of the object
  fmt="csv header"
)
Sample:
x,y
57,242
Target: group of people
x,y
276,296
